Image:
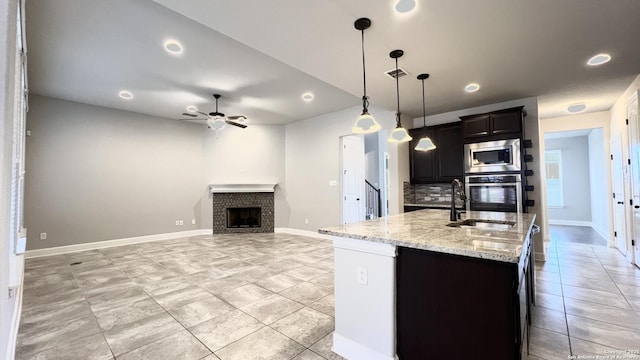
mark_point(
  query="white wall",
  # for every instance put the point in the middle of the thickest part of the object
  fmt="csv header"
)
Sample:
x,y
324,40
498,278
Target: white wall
x,y
575,180
597,168
531,131
9,307
312,159
595,120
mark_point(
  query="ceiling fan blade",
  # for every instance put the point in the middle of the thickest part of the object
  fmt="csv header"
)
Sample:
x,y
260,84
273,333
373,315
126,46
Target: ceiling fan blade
x,y
235,117
236,124
188,114
192,119
201,113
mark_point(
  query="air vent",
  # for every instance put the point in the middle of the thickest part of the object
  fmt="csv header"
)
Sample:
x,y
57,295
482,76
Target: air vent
x,y
396,73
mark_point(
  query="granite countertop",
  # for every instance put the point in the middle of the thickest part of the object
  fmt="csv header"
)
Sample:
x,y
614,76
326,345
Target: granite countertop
x,y
426,229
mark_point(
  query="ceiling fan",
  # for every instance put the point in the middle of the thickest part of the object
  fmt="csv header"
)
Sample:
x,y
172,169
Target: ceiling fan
x,y
217,120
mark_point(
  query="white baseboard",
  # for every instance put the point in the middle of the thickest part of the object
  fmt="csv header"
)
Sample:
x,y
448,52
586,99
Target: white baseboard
x,y
116,242
600,231
307,233
571,223
352,350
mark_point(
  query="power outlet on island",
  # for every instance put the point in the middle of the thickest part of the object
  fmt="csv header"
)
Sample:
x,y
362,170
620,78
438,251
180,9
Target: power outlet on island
x,y
363,277
43,236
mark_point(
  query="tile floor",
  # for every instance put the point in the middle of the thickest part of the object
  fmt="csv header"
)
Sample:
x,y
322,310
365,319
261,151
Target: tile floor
x,y
265,296
270,296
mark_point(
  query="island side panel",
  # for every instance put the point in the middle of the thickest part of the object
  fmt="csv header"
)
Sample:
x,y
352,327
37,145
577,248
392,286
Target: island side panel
x,y
455,307
364,299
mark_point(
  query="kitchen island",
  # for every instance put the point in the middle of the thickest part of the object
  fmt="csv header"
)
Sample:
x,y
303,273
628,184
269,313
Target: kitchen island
x,y
411,286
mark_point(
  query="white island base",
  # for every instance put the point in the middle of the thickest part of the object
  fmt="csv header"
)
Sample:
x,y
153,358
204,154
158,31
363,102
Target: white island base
x,y
365,307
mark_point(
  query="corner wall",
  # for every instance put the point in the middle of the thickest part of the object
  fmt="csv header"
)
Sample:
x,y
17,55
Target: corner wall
x,y
9,306
312,159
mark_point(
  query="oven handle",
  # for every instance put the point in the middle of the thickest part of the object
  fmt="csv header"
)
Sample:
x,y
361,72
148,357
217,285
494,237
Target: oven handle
x,y
493,184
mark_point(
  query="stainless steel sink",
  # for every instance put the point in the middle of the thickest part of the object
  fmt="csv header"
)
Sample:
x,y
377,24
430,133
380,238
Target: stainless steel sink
x,y
483,224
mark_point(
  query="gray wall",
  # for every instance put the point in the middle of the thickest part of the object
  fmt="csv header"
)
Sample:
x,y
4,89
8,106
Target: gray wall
x,y
575,173
98,174
371,159
252,155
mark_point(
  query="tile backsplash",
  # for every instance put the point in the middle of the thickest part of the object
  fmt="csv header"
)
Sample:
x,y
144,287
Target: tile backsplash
x,y
429,194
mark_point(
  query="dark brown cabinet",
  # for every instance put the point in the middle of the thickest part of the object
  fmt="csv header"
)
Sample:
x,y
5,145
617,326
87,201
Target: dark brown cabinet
x,y
494,125
445,162
481,308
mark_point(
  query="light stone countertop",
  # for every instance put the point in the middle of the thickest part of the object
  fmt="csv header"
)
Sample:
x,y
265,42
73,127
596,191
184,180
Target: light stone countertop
x,y
427,230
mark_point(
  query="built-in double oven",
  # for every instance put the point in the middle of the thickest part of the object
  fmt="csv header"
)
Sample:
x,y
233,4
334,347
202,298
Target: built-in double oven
x,y
493,179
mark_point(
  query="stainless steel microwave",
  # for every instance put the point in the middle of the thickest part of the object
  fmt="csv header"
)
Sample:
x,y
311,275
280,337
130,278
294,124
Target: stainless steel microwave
x,y
492,156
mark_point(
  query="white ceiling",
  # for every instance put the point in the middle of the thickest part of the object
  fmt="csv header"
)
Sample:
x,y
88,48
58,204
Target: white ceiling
x,y
262,55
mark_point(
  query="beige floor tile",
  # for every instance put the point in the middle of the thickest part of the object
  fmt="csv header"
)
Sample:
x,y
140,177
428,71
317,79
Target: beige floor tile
x,y
225,329
599,332
268,343
306,326
200,311
181,345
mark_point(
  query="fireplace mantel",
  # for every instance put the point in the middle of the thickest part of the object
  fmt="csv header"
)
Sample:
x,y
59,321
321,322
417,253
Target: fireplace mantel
x,y
241,188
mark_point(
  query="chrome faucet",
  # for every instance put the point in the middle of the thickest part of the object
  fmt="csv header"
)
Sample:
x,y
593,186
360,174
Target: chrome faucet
x,y
455,214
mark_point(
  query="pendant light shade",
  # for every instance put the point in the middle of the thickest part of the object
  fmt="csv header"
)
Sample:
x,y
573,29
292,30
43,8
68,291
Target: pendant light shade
x,y
365,123
399,134
425,143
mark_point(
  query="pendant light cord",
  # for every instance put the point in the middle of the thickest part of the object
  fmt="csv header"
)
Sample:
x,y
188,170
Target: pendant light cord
x,y
424,111
397,94
365,100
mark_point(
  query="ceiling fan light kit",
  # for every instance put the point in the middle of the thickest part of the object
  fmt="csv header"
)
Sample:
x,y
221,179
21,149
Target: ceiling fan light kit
x,y
425,143
216,120
365,123
399,134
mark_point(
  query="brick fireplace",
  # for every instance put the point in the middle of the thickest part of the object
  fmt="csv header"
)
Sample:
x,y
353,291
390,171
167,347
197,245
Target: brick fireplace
x,y
242,208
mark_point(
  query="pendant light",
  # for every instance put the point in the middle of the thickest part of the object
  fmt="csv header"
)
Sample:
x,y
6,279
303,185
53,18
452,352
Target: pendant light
x,y
365,124
425,144
399,134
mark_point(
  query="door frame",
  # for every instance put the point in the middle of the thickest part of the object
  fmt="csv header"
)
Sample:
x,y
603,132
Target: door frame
x,y
360,185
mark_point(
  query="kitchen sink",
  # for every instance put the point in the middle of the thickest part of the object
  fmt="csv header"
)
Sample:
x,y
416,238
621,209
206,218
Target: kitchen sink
x,y
483,224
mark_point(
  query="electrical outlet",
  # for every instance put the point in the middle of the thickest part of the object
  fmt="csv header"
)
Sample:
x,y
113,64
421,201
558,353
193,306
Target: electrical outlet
x,y
181,222
363,277
43,236
193,221
306,221
177,222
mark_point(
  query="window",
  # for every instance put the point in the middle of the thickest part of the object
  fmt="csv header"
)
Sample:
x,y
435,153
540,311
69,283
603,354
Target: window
x,y
553,166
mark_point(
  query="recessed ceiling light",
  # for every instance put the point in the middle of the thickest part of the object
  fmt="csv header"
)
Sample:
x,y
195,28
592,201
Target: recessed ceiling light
x,y
192,108
405,6
173,46
599,59
473,87
127,95
576,108
307,96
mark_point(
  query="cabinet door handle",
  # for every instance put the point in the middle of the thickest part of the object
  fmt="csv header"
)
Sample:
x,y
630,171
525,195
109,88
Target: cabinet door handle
x,y
620,202
636,206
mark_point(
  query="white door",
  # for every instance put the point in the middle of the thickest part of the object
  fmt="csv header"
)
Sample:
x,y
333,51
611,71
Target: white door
x,y
617,167
353,201
634,143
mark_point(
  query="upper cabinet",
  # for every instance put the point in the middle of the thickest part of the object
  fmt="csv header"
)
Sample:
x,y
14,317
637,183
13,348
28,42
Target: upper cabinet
x,y
445,162
495,125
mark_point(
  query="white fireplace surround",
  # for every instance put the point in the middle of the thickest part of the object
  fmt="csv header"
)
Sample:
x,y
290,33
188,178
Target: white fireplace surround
x,y
240,188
